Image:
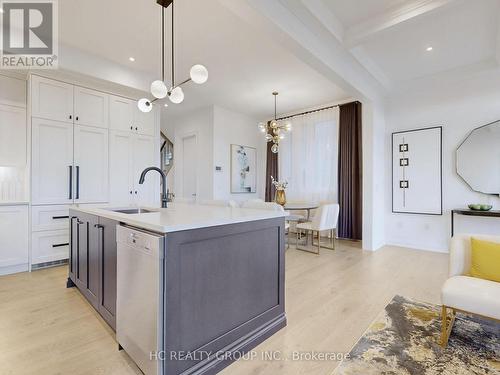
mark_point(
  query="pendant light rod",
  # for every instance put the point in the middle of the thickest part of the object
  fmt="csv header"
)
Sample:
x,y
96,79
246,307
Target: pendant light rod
x,y
275,93
173,46
163,44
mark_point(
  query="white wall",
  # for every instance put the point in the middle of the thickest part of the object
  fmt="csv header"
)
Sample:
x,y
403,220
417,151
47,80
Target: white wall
x,y
373,129
235,128
216,128
459,108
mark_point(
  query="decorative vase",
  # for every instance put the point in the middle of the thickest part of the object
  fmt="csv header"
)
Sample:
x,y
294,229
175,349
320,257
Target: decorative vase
x,y
280,197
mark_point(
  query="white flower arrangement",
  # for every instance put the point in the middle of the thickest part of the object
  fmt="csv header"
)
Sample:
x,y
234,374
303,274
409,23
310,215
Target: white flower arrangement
x,y
279,185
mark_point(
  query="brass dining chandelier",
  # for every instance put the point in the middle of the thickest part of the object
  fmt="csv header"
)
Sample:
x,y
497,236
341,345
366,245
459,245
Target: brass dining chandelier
x,y
198,73
275,130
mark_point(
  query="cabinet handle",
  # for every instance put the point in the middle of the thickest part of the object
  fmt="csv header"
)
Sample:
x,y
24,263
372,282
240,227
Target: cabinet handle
x,y
131,128
70,117
76,118
136,128
131,192
98,226
77,182
136,192
71,241
70,182
60,245
59,217
78,221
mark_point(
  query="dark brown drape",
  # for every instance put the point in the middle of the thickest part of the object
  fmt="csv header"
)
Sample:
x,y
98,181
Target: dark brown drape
x,y
350,172
271,170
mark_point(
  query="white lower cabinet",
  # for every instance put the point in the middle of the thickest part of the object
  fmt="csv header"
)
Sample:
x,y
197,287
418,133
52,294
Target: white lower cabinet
x,y
49,217
14,253
49,246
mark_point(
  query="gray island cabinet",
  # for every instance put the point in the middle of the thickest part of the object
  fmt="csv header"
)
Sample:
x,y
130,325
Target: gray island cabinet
x,y
221,279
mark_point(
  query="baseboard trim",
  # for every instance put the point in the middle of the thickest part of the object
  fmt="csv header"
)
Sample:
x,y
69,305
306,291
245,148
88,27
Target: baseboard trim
x,y
413,247
215,364
9,270
54,263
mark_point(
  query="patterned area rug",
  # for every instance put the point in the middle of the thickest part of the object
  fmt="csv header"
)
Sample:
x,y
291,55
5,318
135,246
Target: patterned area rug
x,y
404,339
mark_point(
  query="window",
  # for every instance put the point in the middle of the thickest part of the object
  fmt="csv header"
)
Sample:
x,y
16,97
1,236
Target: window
x,y
308,157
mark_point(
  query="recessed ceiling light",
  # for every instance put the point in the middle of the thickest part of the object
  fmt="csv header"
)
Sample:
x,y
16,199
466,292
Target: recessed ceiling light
x,y
166,105
1,10
131,59
428,49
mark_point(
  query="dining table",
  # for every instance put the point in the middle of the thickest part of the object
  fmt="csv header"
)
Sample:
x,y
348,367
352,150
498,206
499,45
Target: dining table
x,y
301,206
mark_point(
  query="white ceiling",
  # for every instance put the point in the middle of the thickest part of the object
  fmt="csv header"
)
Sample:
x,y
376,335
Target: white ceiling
x,y
390,37
352,12
244,64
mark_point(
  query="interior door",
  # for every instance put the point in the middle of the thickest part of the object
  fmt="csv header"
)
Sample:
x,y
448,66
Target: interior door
x,y
121,183
52,100
145,156
52,162
121,113
189,167
91,107
91,164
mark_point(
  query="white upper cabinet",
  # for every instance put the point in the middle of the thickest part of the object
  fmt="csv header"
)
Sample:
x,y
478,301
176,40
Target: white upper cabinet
x,y
91,107
13,238
12,136
145,156
52,162
91,164
52,100
144,123
121,176
121,115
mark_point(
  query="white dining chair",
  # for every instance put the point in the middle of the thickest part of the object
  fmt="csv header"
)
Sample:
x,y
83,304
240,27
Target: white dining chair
x,y
326,219
262,205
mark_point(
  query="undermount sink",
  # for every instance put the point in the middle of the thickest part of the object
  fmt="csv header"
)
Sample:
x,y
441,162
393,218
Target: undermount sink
x,y
133,211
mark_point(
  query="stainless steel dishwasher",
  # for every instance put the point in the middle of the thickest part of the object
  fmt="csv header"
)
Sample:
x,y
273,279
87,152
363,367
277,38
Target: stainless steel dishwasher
x,y
139,297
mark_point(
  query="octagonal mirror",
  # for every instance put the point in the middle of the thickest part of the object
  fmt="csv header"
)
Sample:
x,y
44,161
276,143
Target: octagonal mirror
x,y
478,159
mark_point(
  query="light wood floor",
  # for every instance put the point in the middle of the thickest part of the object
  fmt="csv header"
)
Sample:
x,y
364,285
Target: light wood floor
x,y
330,301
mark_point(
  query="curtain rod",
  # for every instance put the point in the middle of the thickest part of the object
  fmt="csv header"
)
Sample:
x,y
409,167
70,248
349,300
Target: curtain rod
x,y
313,111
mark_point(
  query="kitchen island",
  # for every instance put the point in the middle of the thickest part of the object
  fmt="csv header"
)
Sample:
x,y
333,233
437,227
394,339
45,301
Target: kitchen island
x,y
188,288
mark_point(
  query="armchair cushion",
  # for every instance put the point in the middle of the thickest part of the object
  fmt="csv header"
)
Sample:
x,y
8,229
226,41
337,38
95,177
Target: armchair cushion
x,y
485,262
473,295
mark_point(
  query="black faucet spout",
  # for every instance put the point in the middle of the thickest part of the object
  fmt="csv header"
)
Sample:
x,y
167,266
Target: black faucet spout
x,y
163,183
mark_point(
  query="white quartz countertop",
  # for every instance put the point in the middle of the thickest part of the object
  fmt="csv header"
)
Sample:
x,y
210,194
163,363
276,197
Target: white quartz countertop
x,y
179,217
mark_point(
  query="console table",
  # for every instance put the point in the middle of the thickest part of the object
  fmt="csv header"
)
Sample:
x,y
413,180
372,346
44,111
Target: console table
x,y
467,212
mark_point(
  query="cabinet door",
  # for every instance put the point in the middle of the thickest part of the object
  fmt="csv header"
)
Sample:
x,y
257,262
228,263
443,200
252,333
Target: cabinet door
x,y
91,107
13,237
87,257
52,100
144,123
12,136
121,184
145,156
49,246
121,113
107,264
91,164
52,162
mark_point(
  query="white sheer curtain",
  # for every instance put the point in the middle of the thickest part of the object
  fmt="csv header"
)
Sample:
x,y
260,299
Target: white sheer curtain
x,y
308,157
